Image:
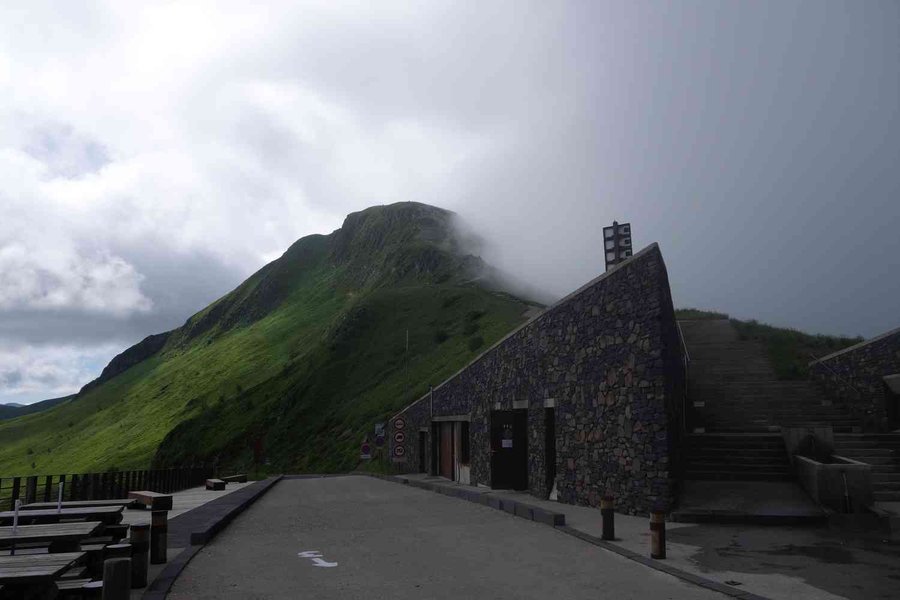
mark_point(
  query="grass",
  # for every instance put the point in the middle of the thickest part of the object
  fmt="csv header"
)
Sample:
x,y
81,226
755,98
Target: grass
x,y
790,351
698,314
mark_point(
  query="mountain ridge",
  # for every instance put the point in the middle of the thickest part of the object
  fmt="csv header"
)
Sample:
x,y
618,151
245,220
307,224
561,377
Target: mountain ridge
x,y
310,342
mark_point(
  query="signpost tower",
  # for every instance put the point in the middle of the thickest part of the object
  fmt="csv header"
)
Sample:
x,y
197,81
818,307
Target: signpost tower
x,y
616,243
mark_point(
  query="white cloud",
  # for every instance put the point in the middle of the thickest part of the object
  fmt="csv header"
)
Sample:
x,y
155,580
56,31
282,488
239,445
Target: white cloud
x,y
138,138
31,373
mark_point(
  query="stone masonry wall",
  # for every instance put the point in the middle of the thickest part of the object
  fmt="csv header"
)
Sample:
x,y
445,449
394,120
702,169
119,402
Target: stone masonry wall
x,y
609,357
855,376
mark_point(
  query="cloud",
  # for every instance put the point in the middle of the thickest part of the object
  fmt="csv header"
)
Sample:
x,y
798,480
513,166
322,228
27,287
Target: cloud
x,y
152,156
32,373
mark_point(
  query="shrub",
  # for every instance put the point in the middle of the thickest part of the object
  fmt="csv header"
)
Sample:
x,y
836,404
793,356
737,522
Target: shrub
x,y
470,327
440,336
476,342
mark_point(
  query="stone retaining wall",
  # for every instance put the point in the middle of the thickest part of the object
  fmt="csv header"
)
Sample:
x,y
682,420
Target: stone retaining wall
x,y
856,376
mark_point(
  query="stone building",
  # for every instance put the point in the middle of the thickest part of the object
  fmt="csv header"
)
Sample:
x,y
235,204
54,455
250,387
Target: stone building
x,y
585,399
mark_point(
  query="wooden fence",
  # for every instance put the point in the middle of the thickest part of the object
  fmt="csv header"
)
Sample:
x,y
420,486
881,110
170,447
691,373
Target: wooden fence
x,y
98,486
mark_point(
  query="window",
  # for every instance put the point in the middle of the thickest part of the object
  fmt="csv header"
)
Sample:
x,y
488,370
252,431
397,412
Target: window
x,y
610,256
609,244
607,232
464,442
626,241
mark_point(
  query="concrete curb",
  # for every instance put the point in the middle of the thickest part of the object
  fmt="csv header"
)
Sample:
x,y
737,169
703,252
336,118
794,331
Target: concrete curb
x,y
558,522
218,514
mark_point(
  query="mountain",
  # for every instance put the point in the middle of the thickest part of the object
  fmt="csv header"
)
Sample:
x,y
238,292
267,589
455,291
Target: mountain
x,y
300,360
11,410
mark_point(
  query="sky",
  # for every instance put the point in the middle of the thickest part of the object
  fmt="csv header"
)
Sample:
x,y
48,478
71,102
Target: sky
x,y
153,155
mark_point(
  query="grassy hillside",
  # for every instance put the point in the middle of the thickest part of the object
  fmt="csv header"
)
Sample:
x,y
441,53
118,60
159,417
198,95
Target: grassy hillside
x,y
306,354
9,412
789,350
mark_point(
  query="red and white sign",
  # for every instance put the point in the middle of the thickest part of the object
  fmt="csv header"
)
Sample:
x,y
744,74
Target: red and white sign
x,y
399,423
399,451
399,437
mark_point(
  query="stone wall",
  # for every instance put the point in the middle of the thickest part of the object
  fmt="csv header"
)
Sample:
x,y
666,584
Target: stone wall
x,y
856,376
608,356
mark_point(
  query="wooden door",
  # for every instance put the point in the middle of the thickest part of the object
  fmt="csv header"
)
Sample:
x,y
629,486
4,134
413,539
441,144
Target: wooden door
x,y
447,450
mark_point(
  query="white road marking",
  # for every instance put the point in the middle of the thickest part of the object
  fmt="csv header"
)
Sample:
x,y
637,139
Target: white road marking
x,y
316,557
318,562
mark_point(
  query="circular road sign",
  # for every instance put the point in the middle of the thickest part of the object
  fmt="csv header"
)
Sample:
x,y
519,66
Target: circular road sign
x,y
399,423
399,450
399,437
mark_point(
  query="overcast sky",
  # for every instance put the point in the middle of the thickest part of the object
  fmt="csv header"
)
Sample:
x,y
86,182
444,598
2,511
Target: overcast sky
x,y
151,157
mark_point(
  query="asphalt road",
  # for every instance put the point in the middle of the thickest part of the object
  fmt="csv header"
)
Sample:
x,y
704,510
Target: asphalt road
x,y
360,537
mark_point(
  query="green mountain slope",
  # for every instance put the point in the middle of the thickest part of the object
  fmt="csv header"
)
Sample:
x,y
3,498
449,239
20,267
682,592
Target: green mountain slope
x,y
9,411
304,356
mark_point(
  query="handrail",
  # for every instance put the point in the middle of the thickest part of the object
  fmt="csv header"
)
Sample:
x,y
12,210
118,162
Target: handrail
x,y
687,355
836,374
686,361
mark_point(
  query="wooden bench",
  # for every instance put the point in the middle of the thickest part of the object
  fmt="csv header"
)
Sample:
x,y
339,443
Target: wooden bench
x,y
126,502
235,479
152,500
80,589
215,484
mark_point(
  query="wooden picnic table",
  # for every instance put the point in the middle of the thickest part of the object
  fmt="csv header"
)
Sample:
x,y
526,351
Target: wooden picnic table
x,y
65,533
108,515
125,502
32,568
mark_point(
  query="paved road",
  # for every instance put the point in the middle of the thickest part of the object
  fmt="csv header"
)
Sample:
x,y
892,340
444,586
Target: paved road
x,y
392,541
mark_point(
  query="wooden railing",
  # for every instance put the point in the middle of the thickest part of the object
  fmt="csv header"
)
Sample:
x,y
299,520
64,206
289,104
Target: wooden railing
x,y
98,486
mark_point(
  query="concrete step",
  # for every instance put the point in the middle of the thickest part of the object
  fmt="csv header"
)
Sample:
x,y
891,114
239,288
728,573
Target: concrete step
x,y
853,452
720,475
728,463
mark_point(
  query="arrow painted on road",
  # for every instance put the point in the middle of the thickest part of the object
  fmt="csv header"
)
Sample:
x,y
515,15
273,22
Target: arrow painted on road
x,y
316,557
318,562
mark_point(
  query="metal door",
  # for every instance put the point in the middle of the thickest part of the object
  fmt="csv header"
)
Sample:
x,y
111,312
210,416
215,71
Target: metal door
x,y
509,449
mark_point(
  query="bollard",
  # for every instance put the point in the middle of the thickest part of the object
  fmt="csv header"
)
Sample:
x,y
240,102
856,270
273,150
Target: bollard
x,y
117,551
140,555
93,590
158,531
117,579
607,509
657,535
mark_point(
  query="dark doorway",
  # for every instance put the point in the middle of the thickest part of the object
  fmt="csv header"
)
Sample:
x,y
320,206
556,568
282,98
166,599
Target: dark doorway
x,y
446,451
423,443
435,441
509,449
892,407
550,448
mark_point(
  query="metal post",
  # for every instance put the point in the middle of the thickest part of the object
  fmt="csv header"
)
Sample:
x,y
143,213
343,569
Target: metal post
x,y
658,535
159,527
607,510
31,489
140,555
117,579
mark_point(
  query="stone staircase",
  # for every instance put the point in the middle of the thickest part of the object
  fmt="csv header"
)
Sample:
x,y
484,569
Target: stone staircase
x,y
738,406
737,457
882,451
